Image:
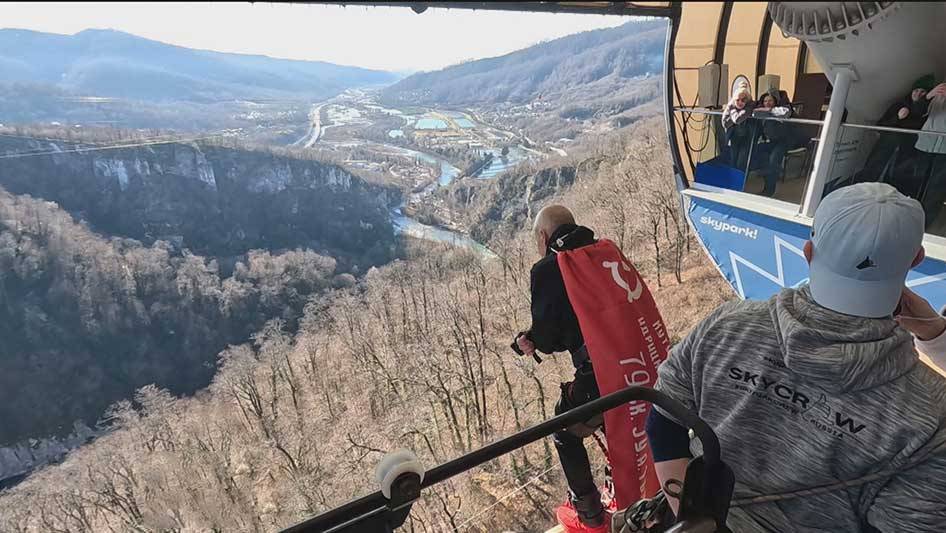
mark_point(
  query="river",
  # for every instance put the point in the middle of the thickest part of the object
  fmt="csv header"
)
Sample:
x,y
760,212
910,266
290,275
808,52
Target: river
x,y
403,223
413,228
501,163
408,226
448,172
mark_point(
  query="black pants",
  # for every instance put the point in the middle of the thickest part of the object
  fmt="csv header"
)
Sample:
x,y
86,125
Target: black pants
x,y
893,152
739,138
571,449
776,160
931,168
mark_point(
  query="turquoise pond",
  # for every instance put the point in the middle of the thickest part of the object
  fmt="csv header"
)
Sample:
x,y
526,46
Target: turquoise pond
x,y
430,124
464,123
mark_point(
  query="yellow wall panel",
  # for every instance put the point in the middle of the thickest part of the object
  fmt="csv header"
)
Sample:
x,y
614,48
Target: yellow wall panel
x,y
812,66
693,48
782,59
698,24
742,39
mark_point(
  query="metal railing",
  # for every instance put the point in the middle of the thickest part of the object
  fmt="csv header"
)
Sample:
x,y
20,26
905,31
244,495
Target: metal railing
x,y
893,130
354,515
873,127
705,111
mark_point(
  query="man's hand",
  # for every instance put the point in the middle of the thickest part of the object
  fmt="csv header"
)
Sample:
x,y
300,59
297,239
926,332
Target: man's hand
x,y
527,346
939,90
523,346
903,113
918,317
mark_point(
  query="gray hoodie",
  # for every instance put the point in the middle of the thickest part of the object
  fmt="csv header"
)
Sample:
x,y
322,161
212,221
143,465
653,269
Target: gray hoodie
x,y
934,144
802,396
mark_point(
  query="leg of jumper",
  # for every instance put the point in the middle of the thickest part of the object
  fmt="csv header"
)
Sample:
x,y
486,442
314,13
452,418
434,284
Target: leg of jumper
x,y
571,449
575,463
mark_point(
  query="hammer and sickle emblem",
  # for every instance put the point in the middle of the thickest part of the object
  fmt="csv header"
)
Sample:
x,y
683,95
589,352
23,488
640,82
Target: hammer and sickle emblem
x,y
632,295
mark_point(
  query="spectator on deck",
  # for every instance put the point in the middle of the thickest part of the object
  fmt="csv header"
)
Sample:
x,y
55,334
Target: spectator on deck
x,y
819,385
782,136
931,161
896,149
736,114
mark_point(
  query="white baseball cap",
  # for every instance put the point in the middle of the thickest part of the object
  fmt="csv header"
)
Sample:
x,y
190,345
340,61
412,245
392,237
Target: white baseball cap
x,y
865,238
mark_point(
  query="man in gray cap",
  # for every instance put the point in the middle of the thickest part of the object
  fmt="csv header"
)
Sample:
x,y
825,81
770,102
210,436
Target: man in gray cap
x,y
819,387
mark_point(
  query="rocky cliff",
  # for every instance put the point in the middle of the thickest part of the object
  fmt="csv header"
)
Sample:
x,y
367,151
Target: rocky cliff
x,y
506,204
213,200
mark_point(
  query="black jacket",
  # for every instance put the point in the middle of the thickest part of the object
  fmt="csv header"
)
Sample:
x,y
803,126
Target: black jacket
x,y
554,324
774,130
914,120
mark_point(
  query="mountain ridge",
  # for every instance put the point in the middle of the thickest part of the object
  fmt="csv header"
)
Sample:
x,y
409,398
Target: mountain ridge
x,y
106,62
631,50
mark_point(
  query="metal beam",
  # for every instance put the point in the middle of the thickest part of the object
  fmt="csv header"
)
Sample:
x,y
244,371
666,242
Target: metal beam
x,y
762,55
843,77
722,30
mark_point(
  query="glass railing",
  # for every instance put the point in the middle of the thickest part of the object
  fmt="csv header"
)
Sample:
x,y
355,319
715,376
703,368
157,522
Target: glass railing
x,y
775,157
912,161
764,155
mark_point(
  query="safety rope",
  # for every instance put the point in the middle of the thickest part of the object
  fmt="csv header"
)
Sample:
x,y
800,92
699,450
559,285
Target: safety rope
x,y
481,512
920,318
89,143
60,139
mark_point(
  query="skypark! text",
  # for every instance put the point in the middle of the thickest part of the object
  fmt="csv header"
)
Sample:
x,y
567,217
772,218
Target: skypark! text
x,y
719,225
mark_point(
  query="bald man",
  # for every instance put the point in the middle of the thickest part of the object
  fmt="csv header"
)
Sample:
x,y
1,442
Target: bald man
x,y
555,329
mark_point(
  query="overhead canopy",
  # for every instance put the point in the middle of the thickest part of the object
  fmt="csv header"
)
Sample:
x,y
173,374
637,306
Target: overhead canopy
x,y
644,9
888,45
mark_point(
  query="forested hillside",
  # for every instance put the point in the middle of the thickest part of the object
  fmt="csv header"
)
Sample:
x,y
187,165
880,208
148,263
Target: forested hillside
x,y
122,267
588,65
86,320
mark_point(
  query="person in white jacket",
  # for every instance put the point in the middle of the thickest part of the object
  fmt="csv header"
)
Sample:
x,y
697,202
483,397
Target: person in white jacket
x,y
736,115
931,164
928,327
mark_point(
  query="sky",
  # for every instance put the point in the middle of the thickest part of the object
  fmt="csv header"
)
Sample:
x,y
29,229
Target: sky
x,y
388,38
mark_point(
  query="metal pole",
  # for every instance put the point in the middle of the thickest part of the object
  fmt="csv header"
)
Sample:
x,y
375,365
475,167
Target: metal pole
x,y
829,138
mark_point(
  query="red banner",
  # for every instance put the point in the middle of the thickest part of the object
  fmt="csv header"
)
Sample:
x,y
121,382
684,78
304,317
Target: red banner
x,y
627,341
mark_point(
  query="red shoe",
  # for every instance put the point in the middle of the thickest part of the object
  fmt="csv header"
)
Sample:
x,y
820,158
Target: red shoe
x,y
568,518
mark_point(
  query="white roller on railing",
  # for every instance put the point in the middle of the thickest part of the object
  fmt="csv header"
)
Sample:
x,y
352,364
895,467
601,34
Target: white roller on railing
x,y
888,45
